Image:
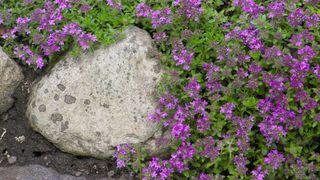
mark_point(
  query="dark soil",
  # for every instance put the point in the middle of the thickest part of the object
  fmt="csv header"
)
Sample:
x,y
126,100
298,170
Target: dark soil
x,y
36,149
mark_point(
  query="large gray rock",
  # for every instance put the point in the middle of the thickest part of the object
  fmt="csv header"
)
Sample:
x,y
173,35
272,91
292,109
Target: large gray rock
x,y
88,105
33,172
37,172
10,77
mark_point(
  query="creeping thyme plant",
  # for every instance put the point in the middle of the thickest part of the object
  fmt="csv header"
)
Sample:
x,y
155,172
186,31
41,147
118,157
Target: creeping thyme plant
x,y
241,99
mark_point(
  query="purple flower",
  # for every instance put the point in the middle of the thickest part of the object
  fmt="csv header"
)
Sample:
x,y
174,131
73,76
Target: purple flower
x,y
301,38
227,109
72,29
274,158
85,8
157,168
307,53
142,10
157,116
209,148
241,161
159,36
313,21
203,123
161,17
272,53
193,88
191,9
180,131
259,173
181,114
39,62
204,176
117,5
84,40
316,71
242,73
199,106
168,101
253,83
250,7
297,18
123,154
182,56
276,9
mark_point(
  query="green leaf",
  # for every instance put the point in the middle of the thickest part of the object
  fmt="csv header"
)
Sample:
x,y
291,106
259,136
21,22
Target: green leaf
x,y
250,102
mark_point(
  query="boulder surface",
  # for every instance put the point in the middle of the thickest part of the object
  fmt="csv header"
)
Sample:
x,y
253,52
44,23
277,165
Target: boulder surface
x,y
90,104
37,172
10,77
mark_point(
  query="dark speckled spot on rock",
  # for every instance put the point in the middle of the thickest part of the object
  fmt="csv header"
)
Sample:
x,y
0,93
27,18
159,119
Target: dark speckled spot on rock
x,y
98,134
46,91
135,119
56,97
42,108
87,102
156,68
64,126
68,99
105,105
56,117
61,87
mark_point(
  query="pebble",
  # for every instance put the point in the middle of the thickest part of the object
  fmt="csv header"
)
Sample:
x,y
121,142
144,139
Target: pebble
x,y
78,173
110,173
12,159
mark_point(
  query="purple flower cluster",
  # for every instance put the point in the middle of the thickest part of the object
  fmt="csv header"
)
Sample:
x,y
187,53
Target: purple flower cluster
x,y
227,109
143,10
250,37
157,169
162,169
209,148
46,19
190,9
301,38
276,9
300,16
193,88
124,153
27,55
212,78
275,159
276,118
244,126
182,56
250,7
240,161
259,173
158,18
114,5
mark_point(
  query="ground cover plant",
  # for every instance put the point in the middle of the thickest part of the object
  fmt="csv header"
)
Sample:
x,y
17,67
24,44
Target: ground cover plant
x,y
241,100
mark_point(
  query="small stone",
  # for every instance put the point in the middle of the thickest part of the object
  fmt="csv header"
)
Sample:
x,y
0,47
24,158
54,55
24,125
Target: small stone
x,y
110,173
12,159
78,173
